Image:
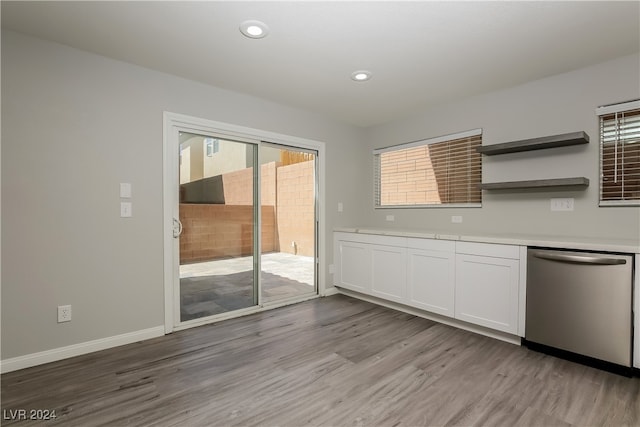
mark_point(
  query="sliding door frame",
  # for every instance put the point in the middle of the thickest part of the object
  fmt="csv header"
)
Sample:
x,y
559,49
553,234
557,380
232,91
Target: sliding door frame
x,y
172,123
316,216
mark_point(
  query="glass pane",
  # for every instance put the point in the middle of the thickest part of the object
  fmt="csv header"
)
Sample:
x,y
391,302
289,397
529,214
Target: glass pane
x,y
620,156
217,212
288,197
447,172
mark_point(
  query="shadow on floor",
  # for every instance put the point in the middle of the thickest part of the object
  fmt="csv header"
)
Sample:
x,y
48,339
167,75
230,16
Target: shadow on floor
x,y
202,296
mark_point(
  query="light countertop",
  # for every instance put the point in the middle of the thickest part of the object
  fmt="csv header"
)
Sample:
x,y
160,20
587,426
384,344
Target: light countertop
x,y
562,242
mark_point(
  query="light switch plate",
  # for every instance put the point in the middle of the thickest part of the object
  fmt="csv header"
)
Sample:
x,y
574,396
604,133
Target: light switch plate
x,y
126,210
125,190
340,207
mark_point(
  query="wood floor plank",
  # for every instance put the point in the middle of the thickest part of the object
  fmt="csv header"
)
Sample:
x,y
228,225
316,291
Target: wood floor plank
x,y
333,361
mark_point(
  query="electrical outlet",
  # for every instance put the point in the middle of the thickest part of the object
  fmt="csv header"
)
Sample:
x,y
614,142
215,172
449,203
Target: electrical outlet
x,y
562,204
64,313
391,218
456,219
332,268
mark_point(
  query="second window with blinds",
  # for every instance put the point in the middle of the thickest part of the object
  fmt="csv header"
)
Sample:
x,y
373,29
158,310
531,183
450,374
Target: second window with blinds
x,y
620,154
439,172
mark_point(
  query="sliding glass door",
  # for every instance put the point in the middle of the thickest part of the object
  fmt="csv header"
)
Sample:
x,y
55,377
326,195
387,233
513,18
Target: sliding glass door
x,y
289,222
217,228
241,220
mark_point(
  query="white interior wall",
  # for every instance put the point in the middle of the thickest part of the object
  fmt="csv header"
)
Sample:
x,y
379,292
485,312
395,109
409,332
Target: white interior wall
x,y
555,105
75,125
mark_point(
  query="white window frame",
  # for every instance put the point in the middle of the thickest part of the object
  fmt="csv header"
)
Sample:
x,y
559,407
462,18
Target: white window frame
x,y
376,152
601,111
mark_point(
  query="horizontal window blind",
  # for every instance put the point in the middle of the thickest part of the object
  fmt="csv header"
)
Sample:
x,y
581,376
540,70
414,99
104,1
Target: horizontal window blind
x,y
435,172
620,154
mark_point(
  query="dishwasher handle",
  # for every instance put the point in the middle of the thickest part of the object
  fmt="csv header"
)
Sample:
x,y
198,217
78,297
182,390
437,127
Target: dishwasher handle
x,y
579,259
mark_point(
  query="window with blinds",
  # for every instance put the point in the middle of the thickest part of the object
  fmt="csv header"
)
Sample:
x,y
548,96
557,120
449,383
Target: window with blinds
x,y
443,171
620,154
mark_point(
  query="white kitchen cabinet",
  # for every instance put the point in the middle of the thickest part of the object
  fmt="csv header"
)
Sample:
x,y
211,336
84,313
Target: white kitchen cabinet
x,y
431,275
389,272
370,264
473,282
353,265
487,291
476,283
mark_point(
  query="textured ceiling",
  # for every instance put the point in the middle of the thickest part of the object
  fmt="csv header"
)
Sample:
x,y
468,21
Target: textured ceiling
x,y
422,54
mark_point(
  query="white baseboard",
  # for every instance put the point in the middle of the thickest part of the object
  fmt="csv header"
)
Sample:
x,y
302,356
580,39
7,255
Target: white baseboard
x,y
330,291
481,330
35,359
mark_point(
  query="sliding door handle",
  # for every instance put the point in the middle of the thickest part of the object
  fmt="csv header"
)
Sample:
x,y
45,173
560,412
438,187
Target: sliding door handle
x,y
177,228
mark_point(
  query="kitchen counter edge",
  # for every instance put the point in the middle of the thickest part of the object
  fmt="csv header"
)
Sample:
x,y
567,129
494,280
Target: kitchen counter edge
x,y
577,243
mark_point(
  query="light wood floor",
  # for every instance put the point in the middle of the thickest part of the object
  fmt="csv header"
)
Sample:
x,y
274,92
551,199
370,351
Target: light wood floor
x,y
334,361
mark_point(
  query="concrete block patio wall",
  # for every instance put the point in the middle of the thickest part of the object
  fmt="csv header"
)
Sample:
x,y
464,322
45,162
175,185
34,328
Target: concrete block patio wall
x,y
217,231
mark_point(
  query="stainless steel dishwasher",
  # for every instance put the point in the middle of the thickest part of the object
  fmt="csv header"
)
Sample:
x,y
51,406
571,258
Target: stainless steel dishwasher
x,y
581,302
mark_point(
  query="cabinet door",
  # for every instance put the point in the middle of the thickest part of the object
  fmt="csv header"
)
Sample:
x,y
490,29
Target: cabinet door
x,y
487,292
431,280
354,266
389,272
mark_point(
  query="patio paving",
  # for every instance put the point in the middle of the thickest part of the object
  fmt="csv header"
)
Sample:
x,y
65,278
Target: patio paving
x,y
214,287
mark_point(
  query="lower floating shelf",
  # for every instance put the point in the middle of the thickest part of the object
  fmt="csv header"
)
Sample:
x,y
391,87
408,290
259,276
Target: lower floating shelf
x,y
577,182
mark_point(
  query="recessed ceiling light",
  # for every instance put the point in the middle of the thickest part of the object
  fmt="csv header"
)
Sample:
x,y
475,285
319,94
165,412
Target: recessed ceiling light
x,y
361,75
254,29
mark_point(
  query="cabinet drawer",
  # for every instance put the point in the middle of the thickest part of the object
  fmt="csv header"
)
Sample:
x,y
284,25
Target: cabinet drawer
x,y
488,249
432,245
372,239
